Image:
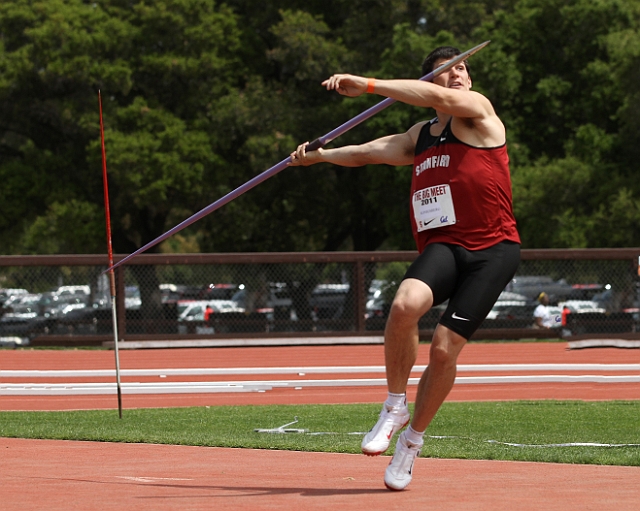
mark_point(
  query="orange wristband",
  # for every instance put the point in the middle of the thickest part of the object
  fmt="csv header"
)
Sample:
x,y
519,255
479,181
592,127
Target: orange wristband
x,y
371,85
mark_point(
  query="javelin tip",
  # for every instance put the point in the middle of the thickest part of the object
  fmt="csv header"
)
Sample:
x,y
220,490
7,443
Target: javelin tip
x,y
476,49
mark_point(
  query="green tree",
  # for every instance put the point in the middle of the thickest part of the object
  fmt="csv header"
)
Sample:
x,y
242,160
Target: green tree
x,y
201,96
160,66
568,117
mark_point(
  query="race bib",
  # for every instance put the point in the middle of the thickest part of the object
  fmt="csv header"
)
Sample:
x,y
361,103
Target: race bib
x,y
433,207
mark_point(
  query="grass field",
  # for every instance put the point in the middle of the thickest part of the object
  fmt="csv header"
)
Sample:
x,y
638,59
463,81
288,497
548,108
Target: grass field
x,y
460,430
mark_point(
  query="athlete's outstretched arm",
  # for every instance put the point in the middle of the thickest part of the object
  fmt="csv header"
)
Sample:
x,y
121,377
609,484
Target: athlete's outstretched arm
x,y
453,101
390,150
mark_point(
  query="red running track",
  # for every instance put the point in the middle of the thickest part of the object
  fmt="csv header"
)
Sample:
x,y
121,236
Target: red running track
x,y
299,356
88,476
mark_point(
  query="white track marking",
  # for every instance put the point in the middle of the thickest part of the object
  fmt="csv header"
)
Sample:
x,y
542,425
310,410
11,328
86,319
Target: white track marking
x,y
8,389
199,387
206,371
151,479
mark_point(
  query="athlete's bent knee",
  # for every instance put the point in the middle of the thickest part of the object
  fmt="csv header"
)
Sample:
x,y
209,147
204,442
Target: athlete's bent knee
x,y
442,356
412,300
445,347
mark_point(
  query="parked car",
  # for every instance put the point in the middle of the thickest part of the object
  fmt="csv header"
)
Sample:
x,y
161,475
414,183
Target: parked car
x,y
22,316
532,285
222,291
49,304
586,291
376,307
170,293
582,306
605,299
132,299
379,298
79,318
73,290
191,314
278,299
512,305
193,310
328,301
218,292
24,325
8,293
21,303
586,316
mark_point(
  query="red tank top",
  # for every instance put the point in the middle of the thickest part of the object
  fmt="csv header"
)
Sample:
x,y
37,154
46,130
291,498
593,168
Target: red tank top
x,y
480,188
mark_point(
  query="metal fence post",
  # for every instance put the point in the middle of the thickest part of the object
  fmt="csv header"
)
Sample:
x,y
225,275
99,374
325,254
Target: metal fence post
x,y
360,296
120,298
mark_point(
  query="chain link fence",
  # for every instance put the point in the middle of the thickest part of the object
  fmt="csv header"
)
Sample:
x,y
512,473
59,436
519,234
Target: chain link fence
x,y
66,299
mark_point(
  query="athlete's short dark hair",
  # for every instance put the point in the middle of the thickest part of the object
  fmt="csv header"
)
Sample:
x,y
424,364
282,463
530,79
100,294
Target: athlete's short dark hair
x,y
442,52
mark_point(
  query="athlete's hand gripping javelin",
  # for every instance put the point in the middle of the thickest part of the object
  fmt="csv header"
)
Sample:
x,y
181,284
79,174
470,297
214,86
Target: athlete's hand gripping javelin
x,y
392,149
300,157
347,85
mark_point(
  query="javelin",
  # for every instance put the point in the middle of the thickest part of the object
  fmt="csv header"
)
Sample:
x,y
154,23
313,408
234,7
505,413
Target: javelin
x,y
317,143
112,279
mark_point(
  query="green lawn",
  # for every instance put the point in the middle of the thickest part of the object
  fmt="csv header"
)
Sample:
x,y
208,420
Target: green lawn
x,y
460,430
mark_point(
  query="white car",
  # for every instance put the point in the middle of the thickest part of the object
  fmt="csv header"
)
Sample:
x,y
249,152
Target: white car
x,y
194,310
508,301
73,290
581,306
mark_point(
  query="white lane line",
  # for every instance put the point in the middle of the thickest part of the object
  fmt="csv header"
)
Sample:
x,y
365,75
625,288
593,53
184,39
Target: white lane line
x,y
257,386
567,444
99,373
62,389
144,479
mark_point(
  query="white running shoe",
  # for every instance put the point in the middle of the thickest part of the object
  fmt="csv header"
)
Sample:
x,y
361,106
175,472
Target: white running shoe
x,y
390,422
399,472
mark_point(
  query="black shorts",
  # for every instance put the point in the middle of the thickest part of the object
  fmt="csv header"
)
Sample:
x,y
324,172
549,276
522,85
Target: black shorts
x,y
471,280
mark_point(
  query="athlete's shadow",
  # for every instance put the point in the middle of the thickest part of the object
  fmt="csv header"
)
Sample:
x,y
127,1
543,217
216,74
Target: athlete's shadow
x,y
254,491
222,491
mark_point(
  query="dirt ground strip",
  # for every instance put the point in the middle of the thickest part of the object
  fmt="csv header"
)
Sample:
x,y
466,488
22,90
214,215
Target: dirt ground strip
x,y
62,475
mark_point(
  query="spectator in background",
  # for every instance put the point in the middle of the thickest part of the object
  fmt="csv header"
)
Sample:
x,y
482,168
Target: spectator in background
x,y
207,313
542,314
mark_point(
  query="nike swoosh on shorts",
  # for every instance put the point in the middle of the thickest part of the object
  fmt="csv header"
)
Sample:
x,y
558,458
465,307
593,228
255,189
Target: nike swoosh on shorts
x,y
455,316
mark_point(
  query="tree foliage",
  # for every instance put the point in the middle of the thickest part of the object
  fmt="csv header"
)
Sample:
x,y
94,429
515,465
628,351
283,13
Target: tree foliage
x,y
199,96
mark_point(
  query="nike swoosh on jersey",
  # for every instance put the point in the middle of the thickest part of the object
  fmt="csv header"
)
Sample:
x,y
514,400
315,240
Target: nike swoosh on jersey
x,y
455,316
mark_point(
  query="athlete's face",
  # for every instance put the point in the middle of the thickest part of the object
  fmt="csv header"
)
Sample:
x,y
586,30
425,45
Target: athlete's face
x,y
456,77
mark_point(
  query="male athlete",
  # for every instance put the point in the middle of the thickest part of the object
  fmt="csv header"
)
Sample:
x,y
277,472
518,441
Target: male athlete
x,y
464,228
